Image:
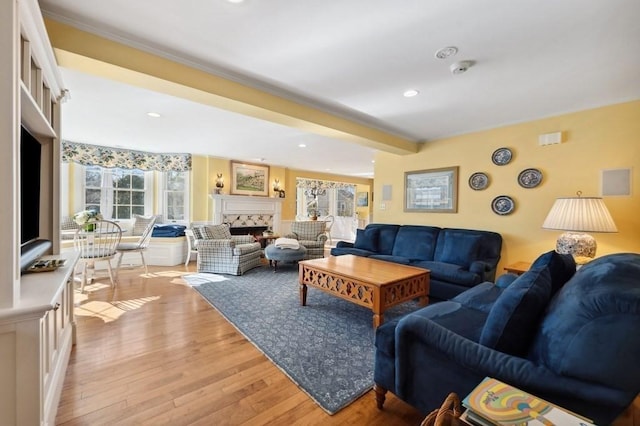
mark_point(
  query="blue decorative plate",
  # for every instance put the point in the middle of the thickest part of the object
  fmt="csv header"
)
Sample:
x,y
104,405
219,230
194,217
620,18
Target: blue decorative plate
x,y
501,156
503,205
478,181
530,178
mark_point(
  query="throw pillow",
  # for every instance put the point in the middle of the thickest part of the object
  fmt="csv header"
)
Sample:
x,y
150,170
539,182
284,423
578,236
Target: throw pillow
x,y
513,319
561,267
140,223
367,239
217,232
460,249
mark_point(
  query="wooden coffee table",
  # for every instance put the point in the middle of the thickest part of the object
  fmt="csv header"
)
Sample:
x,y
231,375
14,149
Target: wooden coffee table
x,y
375,284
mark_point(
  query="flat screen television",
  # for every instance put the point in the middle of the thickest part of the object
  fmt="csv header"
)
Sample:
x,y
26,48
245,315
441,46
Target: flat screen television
x,y
31,246
30,166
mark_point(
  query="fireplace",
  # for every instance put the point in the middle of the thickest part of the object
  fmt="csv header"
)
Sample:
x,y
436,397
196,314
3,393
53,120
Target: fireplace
x,y
248,230
247,214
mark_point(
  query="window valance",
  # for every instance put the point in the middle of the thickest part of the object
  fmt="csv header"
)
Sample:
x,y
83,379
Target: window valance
x,y
321,184
95,155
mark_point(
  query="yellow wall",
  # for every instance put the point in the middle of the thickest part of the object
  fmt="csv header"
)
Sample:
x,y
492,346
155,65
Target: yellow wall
x,y
204,174
593,140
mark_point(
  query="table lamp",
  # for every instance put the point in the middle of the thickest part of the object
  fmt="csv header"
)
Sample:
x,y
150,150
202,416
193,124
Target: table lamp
x,y
579,215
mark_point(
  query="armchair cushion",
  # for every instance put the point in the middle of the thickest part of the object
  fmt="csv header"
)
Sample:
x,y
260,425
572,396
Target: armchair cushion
x,y
513,319
367,239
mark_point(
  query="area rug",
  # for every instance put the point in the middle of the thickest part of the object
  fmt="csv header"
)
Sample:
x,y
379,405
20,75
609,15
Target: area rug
x,y
326,347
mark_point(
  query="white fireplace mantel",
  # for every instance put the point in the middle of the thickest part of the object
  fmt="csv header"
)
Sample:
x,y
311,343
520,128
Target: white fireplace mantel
x,y
241,204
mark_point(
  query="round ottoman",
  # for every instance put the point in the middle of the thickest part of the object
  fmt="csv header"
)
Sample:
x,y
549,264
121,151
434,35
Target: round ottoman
x,y
277,254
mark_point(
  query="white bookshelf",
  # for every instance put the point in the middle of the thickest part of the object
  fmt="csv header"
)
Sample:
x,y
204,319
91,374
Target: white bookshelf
x,y
36,310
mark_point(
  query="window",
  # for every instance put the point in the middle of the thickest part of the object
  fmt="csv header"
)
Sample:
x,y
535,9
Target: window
x,y
176,193
116,193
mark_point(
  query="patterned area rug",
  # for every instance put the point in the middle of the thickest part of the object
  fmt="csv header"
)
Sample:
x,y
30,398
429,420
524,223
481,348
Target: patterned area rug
x,y
326,347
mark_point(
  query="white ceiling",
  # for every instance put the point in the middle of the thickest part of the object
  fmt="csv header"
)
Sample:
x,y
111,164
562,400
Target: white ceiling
x,y
532,59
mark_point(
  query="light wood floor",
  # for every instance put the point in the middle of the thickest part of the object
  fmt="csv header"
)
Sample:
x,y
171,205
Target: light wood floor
x,y
152,351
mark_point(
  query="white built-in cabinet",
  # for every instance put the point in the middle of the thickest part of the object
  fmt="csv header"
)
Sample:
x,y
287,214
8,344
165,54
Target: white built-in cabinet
x,y
36,310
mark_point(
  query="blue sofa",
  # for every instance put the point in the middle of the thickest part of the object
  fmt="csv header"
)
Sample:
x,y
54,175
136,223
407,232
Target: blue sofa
x,y
457,258
575,344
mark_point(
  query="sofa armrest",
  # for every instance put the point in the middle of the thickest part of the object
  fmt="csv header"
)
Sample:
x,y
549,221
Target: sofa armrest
x,y
291,235
486,270
425,347
344,244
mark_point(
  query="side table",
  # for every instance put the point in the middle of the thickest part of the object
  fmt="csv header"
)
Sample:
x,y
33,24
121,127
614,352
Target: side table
x,y
518,268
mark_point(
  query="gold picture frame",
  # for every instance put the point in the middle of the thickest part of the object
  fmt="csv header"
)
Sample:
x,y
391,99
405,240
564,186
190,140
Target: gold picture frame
x,y
249,179
432,191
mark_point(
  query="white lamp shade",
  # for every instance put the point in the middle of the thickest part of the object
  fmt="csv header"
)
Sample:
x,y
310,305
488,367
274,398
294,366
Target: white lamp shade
x,y
580,214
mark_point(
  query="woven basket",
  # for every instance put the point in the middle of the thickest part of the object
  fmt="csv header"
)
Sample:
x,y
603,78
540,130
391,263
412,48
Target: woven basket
x,y
447,415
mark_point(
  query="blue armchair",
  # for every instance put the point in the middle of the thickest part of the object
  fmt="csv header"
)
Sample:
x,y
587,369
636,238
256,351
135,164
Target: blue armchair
x,y
578,348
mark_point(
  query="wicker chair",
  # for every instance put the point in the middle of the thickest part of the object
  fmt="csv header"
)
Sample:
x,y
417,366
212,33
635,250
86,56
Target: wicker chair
x,y
222,253
312,235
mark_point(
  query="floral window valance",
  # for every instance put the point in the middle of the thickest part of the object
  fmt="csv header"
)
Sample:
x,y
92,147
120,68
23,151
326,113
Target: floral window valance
x,y
95,155
321,184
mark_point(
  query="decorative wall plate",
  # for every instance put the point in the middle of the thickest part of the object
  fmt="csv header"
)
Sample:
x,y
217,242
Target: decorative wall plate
x,y
503,205
530,178
501,156
478,181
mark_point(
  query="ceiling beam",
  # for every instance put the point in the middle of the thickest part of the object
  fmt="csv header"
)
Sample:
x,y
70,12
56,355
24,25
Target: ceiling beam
x,y
92,54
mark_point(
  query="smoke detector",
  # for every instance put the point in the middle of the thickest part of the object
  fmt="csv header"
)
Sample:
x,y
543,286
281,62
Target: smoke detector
x,y
460,67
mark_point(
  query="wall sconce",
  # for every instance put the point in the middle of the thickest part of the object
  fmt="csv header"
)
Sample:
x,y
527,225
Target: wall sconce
x,y
219,183
276,185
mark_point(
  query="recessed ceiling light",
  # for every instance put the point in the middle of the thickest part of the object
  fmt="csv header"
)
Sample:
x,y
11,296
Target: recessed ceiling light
x,y
373,161
154,114
445,52
410,93
302,145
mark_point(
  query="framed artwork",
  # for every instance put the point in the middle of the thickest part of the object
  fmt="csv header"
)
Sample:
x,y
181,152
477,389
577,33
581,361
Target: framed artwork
x,y
434,190
249,179
362,199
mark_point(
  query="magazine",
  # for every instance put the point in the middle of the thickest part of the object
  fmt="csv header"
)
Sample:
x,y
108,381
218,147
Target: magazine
x,y
493,402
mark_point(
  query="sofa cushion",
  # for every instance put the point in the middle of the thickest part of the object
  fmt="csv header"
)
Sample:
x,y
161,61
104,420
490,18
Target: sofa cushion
x,y
387,237
449,273
415,242
464,321
561,267
480,297
367,239
459,248
599,305
514,317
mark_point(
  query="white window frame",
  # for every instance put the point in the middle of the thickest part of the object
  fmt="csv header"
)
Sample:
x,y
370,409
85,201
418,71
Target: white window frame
x,y
79,190
163,205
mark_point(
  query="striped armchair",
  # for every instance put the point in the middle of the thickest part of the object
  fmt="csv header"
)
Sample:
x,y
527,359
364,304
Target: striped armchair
x,y
312,235
222,253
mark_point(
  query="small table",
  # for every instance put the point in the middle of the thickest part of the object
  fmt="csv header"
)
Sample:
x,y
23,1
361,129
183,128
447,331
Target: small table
x,y
374,284
518,268
265,240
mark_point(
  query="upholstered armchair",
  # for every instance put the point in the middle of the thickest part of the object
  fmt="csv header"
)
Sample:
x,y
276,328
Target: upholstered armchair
x,y
312,235
222,253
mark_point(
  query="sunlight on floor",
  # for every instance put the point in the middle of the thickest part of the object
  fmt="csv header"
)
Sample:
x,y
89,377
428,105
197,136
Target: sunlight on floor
x,y
106,311
111,311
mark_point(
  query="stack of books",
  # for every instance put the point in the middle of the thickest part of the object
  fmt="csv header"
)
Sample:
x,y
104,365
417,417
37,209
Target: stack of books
x,y
494,403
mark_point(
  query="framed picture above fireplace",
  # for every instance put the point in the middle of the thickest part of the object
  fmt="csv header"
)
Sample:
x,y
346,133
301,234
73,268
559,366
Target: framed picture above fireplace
x,y
249,179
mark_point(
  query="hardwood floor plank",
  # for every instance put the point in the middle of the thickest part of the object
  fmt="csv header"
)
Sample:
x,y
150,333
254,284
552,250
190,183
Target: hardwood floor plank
x,y
152,351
